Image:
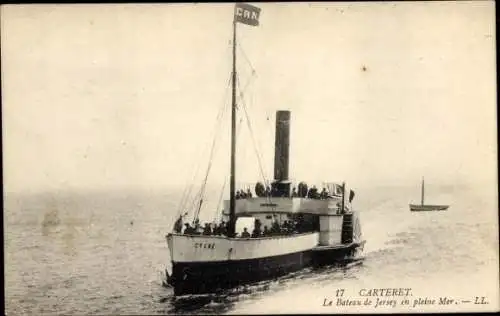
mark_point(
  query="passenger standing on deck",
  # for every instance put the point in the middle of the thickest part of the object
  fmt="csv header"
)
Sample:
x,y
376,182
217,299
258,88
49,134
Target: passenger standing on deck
x,y
324,194
245,233
274,192
249,193
299,224
256,231
314,192
285,227
188,230
275,228
178,224
294,193
207,231
222,228
197,228
265,232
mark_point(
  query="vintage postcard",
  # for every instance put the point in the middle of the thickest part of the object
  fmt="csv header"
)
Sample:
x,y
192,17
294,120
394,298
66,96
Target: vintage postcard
x,y
250,158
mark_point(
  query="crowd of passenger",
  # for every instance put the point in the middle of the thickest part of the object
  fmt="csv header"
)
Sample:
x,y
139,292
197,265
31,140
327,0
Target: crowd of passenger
x,y
221,229
297,225
288,227
313,193
241,194
208,229
302,191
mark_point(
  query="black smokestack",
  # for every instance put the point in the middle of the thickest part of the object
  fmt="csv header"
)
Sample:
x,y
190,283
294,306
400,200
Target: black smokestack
x,y
282,145
281,153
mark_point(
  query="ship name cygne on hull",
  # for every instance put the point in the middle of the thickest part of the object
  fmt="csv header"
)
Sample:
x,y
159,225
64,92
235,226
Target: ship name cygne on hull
x,y
204,245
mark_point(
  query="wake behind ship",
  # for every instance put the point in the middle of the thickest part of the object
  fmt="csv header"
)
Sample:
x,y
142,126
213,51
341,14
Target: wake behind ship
x,y
293,226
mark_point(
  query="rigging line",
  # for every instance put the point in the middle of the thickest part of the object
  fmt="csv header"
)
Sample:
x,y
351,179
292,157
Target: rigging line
x,y
242,91
206,178
202,191
203,187
187,193
245,87
216,217
257,153
259,159
242,99
254,141
246,58
194,201
225,180
253,73
270,126
189,189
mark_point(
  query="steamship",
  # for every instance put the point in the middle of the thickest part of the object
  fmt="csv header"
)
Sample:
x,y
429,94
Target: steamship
x,y
329,232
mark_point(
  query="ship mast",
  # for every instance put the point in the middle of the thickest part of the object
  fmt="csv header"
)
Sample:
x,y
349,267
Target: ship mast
x,y
232,202
249,15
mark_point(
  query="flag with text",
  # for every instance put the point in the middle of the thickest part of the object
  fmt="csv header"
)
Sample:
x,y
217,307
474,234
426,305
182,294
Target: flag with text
x,y
246,14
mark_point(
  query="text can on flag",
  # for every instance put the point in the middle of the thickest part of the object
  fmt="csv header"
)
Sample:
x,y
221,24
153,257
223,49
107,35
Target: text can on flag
x,y
247,14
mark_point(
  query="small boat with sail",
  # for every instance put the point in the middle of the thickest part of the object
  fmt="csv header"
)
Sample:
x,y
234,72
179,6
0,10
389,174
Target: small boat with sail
x,y
293,226
422,207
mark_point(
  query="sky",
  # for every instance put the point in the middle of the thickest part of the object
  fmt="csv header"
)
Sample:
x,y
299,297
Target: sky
x,y
115,96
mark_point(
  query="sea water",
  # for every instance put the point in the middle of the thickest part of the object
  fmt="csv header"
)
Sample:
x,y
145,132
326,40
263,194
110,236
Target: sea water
x,y
105,253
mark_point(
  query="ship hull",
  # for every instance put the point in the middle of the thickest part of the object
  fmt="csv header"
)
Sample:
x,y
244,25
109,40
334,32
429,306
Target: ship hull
x,y
206,264
190,278
193,277
427,208
209,264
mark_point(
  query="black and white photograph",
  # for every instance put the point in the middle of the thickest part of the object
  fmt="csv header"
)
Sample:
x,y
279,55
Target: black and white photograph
x,y
250,158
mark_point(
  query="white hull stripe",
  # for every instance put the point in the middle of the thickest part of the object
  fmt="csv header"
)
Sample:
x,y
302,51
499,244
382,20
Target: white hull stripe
x,y
186,248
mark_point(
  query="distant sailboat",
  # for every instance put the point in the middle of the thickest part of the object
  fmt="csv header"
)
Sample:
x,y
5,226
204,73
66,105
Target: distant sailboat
x,y
426,207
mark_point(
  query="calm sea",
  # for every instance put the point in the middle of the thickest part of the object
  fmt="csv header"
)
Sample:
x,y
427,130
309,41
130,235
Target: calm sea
x,y
105,253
